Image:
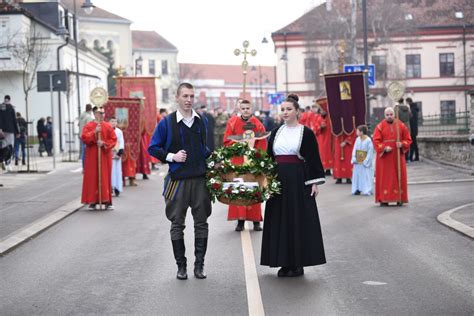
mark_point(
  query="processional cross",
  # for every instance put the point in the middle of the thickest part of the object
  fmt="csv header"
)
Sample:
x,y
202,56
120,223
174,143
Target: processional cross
x,y
245,63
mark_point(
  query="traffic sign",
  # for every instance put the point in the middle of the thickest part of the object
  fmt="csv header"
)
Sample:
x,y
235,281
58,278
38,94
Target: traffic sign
x,y
276,98
361,67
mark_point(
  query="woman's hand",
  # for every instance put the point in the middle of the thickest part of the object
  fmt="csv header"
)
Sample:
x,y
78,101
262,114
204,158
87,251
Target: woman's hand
x,y
314,190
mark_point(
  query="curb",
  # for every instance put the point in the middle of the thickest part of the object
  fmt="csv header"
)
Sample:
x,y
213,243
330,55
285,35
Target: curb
x,y
446,219
441,181
28,232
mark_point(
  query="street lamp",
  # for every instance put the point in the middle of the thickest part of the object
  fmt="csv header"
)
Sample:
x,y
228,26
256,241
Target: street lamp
x,y
284,57
366,63
460,16
88,7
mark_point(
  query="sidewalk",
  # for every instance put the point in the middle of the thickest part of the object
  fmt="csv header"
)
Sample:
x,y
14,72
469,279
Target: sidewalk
x,y
426,171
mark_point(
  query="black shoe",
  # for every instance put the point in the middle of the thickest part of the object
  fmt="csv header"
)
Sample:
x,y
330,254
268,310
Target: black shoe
x,y
200,248
357,192
328,172
257,227
283,272
383,204
16,162
296,272
179,250
92,206
145,177
23,162
338,181
117,192
240,226
399,203
348,181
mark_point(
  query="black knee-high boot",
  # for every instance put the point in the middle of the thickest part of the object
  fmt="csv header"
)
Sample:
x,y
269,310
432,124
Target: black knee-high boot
x,y
200,247
179,250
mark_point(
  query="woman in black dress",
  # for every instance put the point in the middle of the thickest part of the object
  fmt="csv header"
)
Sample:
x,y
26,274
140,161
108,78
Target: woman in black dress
x,y
292,233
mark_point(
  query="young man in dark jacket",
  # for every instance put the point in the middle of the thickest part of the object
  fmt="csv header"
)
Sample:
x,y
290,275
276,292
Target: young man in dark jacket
x,y
8,131
180,139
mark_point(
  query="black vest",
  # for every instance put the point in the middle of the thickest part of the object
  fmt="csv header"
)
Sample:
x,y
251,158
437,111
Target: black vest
x,y
192,140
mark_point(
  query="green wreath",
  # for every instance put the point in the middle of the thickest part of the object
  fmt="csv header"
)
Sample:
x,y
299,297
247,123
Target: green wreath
x,y
258,164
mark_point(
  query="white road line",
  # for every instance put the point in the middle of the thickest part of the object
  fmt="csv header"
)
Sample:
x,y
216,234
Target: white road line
x,y
254,296
76,170
446,219
442,181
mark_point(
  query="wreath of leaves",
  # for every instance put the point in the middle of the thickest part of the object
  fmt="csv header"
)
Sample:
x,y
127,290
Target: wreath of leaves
x,y
258,163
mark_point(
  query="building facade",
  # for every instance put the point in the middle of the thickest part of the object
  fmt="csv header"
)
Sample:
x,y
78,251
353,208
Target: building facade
x,y
220,86
426,45
153,55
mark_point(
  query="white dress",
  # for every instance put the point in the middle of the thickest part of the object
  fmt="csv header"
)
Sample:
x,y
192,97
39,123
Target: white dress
x,y
117,162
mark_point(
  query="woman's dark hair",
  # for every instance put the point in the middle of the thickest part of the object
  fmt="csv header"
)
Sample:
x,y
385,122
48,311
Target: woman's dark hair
x,y
293,98
363,129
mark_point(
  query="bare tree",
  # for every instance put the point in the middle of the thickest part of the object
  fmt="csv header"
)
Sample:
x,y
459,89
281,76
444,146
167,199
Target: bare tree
x,y
29,49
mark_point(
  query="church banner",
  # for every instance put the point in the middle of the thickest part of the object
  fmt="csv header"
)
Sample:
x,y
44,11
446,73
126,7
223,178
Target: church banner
x,y
346,101
129,114
141,87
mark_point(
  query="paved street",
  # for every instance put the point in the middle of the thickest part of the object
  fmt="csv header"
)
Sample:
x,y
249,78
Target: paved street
x,y
381,261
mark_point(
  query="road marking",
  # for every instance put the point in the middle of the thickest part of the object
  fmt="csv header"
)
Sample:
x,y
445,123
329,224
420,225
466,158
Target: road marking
x,y
76,170
373,283
254,296
442,181
446,219
24,234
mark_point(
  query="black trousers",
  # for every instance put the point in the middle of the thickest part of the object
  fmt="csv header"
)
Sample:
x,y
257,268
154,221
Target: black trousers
x,y
192,193
414,148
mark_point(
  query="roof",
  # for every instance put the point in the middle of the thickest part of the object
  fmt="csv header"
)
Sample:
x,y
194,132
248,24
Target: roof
x,y
97,13
151,40
425,13
229,73
6,9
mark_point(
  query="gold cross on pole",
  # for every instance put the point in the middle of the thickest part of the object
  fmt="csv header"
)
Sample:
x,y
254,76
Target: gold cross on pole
x,y
245,63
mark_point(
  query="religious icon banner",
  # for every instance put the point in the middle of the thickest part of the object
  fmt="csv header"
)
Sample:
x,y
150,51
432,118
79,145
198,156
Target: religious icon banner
x,y
143,88
346,101
129,113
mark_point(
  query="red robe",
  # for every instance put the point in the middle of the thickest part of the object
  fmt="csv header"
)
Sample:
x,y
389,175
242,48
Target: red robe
x,y
129,167
343,157
235,127
144,158
90,185
322,129
153,159
386,172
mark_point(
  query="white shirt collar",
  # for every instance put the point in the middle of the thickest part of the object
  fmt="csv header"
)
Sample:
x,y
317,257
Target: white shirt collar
x,y
180,116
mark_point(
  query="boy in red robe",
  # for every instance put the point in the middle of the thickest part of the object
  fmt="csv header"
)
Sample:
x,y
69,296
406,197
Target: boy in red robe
x,y
90,184
343,145
237,125
388,188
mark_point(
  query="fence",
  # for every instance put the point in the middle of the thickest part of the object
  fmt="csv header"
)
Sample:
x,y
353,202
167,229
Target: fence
x,y
440,124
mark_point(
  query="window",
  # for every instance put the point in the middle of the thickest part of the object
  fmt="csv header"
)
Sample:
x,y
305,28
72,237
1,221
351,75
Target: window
x,y
413,69
446,65
164,67
380,63
311,69
165,96
448,112
151,66
138,66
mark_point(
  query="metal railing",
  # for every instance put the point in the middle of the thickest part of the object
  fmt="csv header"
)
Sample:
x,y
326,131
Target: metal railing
x,y
439,124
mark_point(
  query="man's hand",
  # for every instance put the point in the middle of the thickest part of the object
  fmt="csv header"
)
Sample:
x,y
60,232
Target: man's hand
x,y
343,144
323,125
388,149
180,156
100,143
399,145
98,128
314,190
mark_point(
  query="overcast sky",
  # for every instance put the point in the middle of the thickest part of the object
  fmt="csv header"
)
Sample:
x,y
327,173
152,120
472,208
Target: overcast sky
x,y
208,31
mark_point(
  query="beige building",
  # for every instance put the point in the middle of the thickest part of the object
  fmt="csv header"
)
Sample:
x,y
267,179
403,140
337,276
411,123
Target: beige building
x,y
153,55
429,47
